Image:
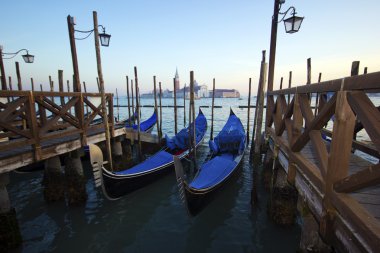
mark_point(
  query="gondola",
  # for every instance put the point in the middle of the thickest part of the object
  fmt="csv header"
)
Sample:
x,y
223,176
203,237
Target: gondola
x,y
226,153
145,126
117,184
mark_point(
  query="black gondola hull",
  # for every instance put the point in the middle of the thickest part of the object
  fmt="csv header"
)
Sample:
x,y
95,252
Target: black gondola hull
x,y
198,200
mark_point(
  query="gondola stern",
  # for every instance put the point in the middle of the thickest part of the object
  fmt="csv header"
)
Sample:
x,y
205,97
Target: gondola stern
x,y
181,183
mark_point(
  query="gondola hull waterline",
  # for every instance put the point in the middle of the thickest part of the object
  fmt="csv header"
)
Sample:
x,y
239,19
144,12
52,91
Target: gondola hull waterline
x,y
120,183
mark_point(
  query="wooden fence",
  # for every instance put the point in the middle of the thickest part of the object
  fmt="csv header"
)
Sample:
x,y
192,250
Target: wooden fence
x,y
29,118
346,105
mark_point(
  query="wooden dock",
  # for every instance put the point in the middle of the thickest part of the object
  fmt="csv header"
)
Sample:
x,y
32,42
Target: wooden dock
x,y
39,125
337,175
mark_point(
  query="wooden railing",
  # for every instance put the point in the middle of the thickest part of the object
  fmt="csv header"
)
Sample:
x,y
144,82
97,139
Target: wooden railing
x,y
31,118
346,104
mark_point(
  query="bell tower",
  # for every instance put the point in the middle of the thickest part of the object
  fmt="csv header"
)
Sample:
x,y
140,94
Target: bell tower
x,y
176,80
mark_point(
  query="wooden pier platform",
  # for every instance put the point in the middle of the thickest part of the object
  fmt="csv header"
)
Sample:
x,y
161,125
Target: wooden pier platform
x,y
337,175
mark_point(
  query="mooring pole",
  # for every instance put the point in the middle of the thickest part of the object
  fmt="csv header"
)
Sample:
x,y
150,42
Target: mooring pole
x,y
282,79
289,85
10,86
156,108
133,103
308,82
184,106
19,84
3,77
60,86
32,83
97,82
193,118
212,110
249,109
138,113
160,134
129,108
317,96
41,87
263,73
175,107
103,95
117,105
85,91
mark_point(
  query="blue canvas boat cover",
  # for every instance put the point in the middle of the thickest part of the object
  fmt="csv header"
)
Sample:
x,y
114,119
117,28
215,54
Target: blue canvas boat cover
x,y
145,125
159,159
181,140
213,172
231,139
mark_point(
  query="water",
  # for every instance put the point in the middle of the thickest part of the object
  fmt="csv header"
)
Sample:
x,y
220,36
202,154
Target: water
x,y
153,218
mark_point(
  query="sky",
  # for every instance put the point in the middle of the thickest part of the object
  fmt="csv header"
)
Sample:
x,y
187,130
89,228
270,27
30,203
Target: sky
x,y
214,38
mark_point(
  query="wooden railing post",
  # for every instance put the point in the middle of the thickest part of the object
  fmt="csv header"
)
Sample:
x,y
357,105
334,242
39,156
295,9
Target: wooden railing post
x,y
338,161
32,123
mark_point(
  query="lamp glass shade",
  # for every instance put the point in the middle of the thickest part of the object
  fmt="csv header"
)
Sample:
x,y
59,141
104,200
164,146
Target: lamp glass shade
x,y
28,58
293,24
104,39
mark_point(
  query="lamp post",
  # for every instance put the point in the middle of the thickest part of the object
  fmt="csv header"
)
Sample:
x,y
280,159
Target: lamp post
x,y
28,58
104,41
292,25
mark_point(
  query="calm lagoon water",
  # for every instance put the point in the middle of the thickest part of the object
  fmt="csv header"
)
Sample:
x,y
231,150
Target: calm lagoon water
x,y
153,218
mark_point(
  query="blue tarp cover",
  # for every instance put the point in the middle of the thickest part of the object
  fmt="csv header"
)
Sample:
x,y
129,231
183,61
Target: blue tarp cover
x,y
214,171
181,140
145,125
231,139
159,159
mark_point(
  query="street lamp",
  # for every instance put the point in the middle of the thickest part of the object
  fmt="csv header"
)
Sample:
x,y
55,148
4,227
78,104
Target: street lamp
x,y
28,58
292,25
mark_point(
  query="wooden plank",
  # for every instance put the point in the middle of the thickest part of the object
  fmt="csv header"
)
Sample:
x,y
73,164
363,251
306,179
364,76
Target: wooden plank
x,y
365,198
360,218
367,113
366,83
288,113
367,177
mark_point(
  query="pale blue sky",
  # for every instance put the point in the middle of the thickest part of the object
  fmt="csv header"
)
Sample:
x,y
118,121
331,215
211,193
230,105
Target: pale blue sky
x,y
215,38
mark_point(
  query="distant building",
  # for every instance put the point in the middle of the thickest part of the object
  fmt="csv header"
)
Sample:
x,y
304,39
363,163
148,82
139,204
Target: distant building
x,y
226,93
176,80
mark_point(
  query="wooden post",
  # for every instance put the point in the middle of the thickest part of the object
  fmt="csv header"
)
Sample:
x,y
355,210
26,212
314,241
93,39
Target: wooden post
x,y
19,84
68,85
76,84
10,84
260,108
155,106
249,108
212,110
160,134
365,70
255,122
282,79
192,119
3,77
317,96
32,83
138,113
129,108
85,91
97,82
308,71
41,87
51,88
175,107
289,85
117,105
133,104
184,106
355,68
103,95
272,52
60,86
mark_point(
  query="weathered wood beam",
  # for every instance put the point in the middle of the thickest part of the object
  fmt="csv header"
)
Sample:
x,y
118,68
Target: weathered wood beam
x,y
362,179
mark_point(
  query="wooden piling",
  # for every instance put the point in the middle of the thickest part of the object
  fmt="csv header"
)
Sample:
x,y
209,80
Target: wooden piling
x,y
365,70
32,83
51,88
263,73
3,77
317,96
249,108
85,91
160,134
60,85
133,103
138,113
184,106
10,83
129,108
156,108
212,110
103,95
282,79
19,84
41,87
355,68
68,85
175,107
290,84
117,105
192,119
